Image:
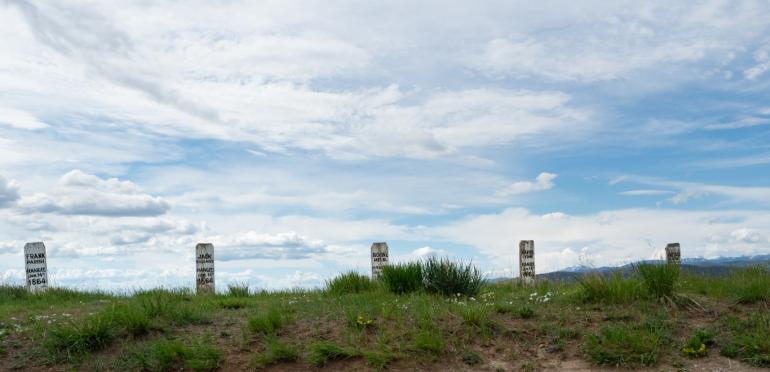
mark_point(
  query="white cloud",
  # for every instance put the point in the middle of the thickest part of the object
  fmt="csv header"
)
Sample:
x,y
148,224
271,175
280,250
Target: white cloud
x,y
9,192
20,119
609,237
544,181
253,245
79,193
687,191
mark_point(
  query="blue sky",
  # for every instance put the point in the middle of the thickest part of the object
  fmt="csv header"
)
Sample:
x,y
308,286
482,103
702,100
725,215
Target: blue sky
x,y
291,135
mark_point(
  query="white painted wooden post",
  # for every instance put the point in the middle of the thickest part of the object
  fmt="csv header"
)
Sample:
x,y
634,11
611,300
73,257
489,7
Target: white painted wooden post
x,y
673,254
379,258
204,268
527,261
36,265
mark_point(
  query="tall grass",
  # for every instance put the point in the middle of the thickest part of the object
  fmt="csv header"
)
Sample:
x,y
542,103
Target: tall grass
x,y
402,278
751,285
612,289
238,290
350,282
659,279
449,278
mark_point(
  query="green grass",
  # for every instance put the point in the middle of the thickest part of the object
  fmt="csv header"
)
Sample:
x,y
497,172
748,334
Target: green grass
x,y
268,323
613,289
613,321
748,339
402,278
170,354
625,346
238,290
275,352
751,285
350,282
659,279
324,351
449,278
429,342
68,341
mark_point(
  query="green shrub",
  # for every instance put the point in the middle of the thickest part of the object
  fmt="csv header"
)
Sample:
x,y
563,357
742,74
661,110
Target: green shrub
x,y
350,282
449,278
748,339
238,290
402,278
751,285
614,289
623,346
659,279
67,341
275,352
266,324
323,351
697,345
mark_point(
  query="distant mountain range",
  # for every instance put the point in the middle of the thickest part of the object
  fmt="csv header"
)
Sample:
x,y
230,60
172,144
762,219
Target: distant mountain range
x,y
703,266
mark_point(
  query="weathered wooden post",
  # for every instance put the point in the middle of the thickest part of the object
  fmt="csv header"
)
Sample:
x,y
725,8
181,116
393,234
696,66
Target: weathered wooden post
x,y
379,258
527,261
204,268
673,254
36,266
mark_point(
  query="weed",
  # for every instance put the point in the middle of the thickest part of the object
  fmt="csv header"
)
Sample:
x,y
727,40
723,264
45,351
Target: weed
x,y
696,346
323,351
449,278
275,352
350,282
402,278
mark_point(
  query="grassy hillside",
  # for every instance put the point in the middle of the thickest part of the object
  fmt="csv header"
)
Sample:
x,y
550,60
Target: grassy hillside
x,y
658,318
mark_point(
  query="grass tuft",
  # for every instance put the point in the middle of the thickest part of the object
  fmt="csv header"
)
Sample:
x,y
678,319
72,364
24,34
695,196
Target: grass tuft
x,y
449,278
324,351
748,340
238,290
624,346
172,354
350,282
268,323
613,289
402,278
68,341
659,279
275,352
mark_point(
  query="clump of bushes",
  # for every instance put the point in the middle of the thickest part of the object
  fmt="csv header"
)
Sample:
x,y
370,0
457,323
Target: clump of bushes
x,y
350,282
402,278
449,278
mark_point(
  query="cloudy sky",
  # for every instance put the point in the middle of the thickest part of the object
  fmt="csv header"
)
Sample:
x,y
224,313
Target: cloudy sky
x,y
294,134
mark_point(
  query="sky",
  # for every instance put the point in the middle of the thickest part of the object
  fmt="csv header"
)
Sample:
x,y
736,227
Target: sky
x,y
293,134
